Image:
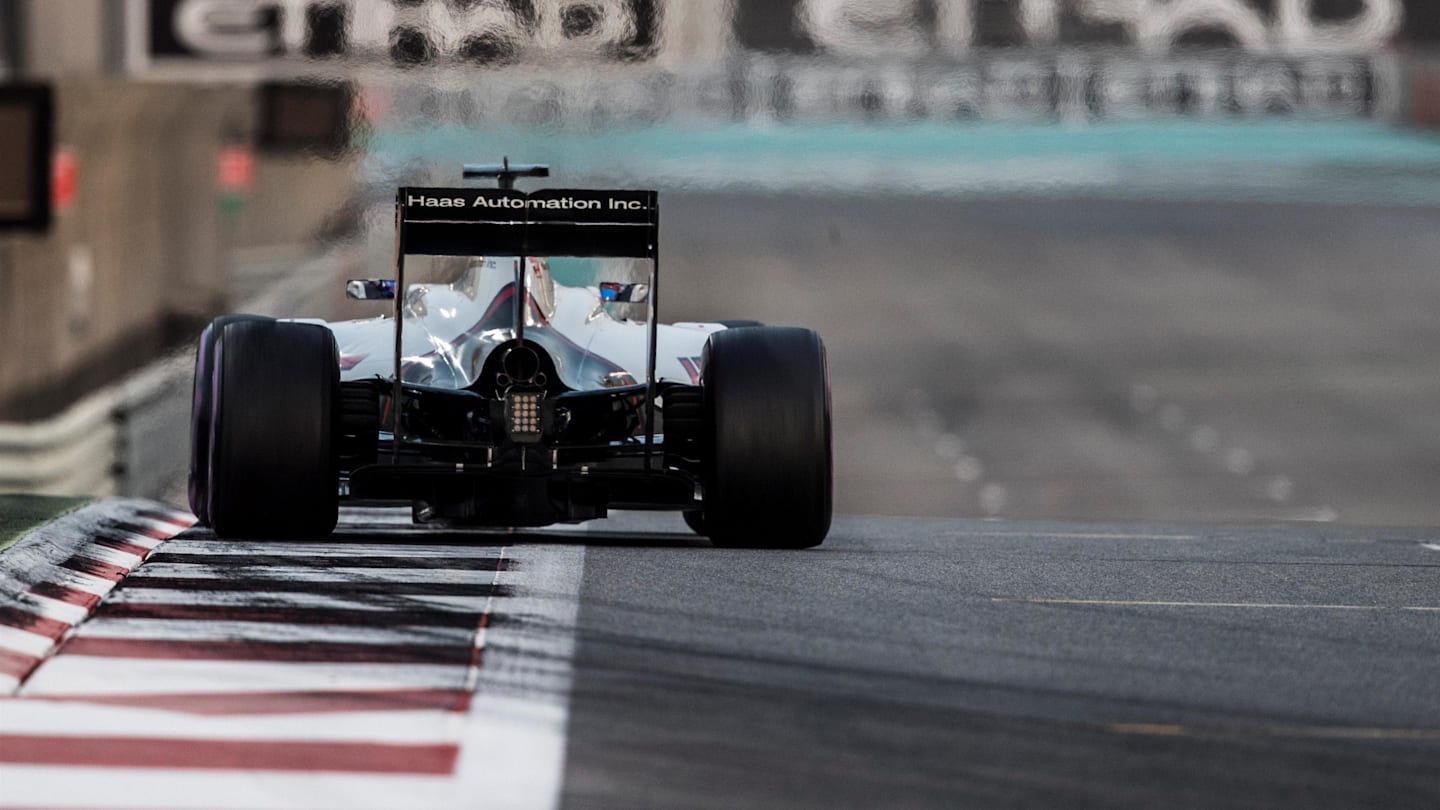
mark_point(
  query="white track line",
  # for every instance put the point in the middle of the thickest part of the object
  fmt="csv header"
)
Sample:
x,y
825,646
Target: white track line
x,y
109,556
170,527
300,601
187,630
24,641
135,538
1227,605
513,746
186,545
1040,535
55,718
472,675
1303,732
239,573
85,675
161,789
52,608
95,586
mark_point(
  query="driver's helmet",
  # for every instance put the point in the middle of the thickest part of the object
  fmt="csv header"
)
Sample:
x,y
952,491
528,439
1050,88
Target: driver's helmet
x,y
486,276
541,284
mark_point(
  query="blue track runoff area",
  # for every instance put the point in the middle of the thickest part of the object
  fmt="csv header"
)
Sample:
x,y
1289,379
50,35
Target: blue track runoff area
x,y
1289,160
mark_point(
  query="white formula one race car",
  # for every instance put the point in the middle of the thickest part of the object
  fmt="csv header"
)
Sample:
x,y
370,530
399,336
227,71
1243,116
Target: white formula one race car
x,y
533,385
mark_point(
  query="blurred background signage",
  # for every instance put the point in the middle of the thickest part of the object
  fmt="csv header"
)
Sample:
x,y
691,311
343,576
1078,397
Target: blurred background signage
x,y
778,58
403,33
26,127
445,30
956,26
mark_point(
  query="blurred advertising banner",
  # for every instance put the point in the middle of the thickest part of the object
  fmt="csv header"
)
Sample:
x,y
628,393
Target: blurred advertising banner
x,y
828,58
291,35
877,27
1016,87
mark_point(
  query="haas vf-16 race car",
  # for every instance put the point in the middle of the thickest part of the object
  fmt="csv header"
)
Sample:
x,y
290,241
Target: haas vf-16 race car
x,y
531,384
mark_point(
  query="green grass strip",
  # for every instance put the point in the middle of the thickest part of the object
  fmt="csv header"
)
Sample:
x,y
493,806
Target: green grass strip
x,y
21,514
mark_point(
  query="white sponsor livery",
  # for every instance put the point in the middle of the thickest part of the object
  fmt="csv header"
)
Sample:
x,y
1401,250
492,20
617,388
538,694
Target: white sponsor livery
x,y
554,204
448,332
436,202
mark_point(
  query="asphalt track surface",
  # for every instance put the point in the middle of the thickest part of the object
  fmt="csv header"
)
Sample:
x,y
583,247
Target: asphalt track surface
x,y
975,664
905,663
1191,361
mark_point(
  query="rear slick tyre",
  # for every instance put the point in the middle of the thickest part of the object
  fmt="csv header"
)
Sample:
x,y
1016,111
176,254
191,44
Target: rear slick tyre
x,y
767,405
200,407
272,465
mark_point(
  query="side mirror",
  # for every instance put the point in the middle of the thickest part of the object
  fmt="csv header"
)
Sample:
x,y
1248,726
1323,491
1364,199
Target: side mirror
x,y
370,289
613,292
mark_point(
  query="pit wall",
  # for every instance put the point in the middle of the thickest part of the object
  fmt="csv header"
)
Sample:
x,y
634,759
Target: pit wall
x,y
137,257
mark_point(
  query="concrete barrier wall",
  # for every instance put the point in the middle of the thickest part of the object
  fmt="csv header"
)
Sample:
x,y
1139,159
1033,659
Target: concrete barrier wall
x,y
139,258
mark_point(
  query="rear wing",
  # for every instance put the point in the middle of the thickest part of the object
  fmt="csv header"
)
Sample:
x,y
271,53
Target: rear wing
x,y
506,222
552,222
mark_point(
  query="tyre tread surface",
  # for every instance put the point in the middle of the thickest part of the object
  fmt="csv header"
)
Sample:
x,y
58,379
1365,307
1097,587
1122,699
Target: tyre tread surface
x,y
769,471
272,467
